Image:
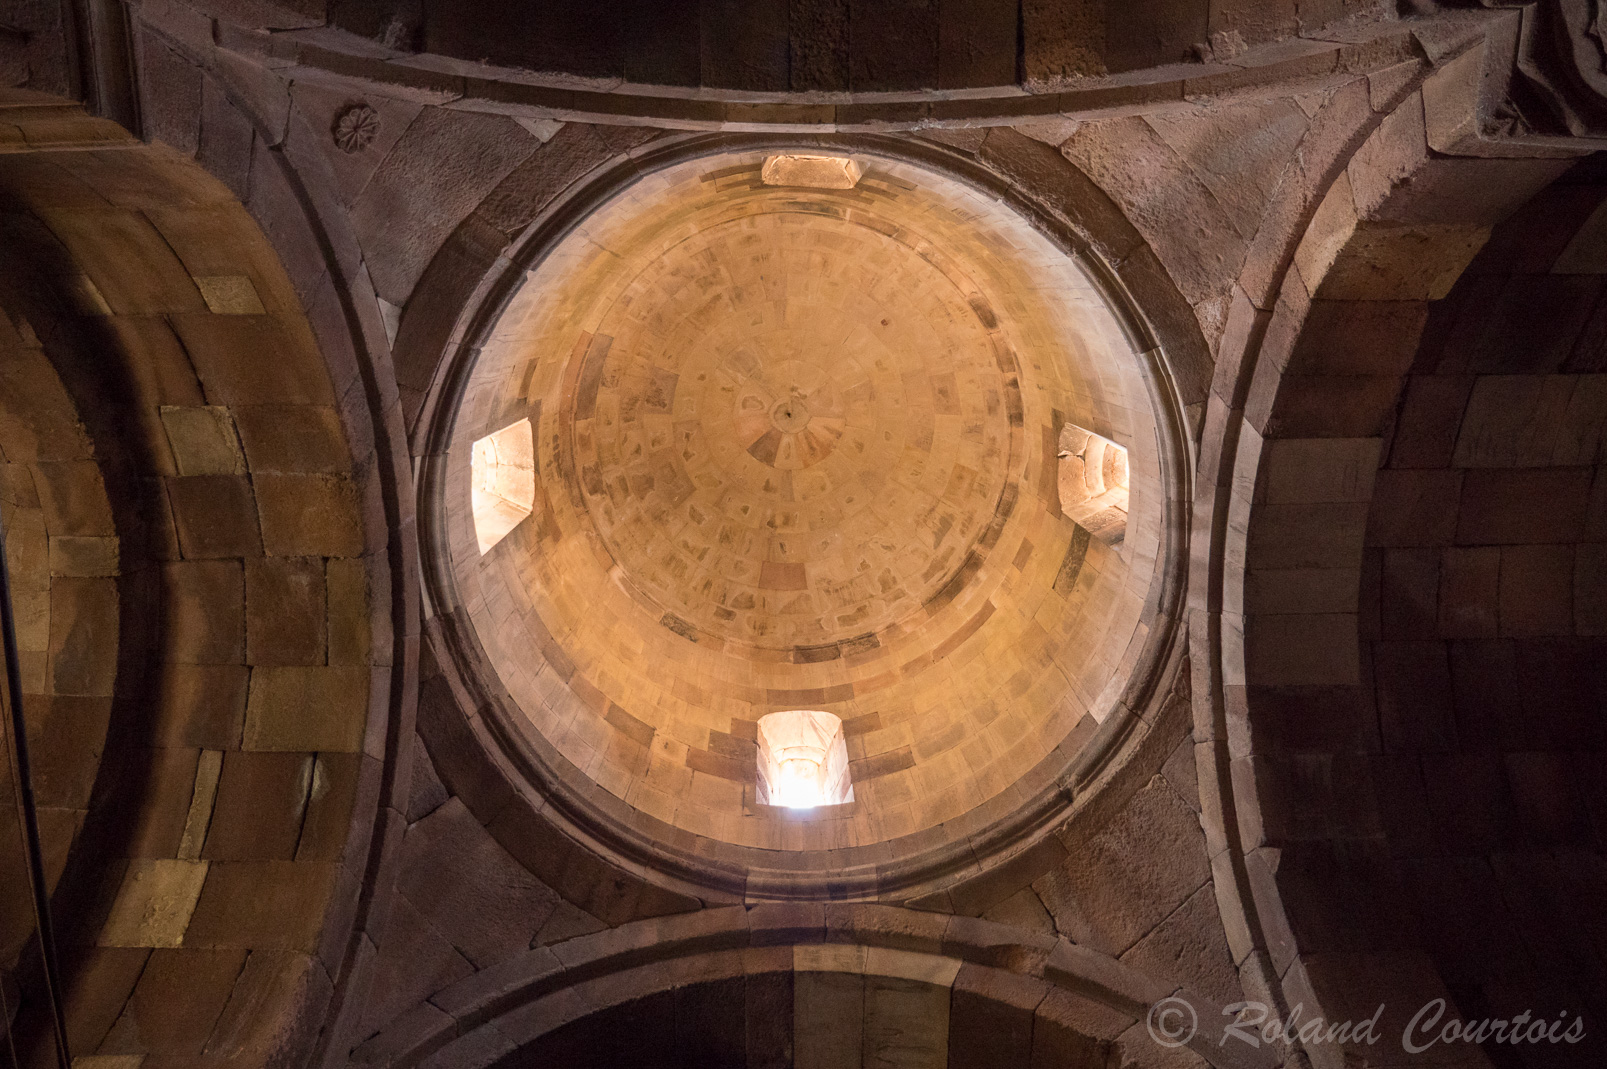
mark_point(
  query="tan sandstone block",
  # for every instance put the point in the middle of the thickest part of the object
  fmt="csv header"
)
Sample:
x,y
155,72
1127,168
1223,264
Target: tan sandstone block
x,y
309,515
203,440
304,438
308,709
350,625
230,295
154,903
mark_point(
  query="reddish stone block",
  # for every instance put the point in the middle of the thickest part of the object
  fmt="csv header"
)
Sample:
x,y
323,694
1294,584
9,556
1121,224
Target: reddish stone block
x,y
158,825
991,1018
343,784
1485,687
1562,687
100,980
246,1035
1536,234
128,261
1455,896
1523,506
74,498
1333,719
488,918
1330,406
83,636
1590,589
1468,591
1550,809
1468,800
1413,681
442,167
1409,593
1073,1030
179,997
261,905
415,961
1069,192
1414,508
254,360
260,802
307,708
1426,430
1358,338
1537,590
292,438
66,735
1532,325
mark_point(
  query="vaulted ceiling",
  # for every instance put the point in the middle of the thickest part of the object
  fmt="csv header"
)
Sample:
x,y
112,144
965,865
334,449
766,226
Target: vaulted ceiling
x,y
807,308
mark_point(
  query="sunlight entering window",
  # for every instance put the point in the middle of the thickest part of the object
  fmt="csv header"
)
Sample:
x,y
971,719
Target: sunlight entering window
x,y
503,477
803,760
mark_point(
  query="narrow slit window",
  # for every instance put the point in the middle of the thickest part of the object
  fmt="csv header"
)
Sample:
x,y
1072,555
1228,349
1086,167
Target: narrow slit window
x,y
803,760
1093,483
503,476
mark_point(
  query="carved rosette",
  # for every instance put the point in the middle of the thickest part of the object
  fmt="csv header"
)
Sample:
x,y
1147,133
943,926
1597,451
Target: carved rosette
x,y
355,128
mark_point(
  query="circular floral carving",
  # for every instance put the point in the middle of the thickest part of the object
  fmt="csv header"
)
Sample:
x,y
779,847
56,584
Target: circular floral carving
x,y
356,127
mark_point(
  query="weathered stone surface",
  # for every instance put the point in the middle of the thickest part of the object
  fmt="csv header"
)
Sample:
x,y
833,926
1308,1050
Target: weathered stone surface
x,y
292,438
74,498
309,515
434,176
215,516
179,997
488,919
203,440
260,804
307,709
260,904
205,608
83,636
415,962
1109,897
1179,217
154,904
254,360
285,611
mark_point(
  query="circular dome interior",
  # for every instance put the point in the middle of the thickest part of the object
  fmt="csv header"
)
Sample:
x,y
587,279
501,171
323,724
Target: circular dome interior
x,y
795,447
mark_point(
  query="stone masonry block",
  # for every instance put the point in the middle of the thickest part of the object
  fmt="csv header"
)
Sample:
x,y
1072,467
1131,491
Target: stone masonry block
x,y
203,440
216,516
309,515
285,611
154,903
322,708
204,612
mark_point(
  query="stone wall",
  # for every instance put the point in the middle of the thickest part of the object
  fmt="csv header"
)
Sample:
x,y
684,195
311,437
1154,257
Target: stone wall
x,y
240,642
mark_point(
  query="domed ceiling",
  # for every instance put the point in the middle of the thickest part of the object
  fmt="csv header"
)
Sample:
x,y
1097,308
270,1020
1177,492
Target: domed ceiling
x,y
796,448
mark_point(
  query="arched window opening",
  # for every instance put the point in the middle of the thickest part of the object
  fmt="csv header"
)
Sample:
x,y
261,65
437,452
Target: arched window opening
x,y
503,476
803,760
1093,483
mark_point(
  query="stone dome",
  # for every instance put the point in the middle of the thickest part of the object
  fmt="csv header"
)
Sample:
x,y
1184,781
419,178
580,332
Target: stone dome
x,y
797,447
